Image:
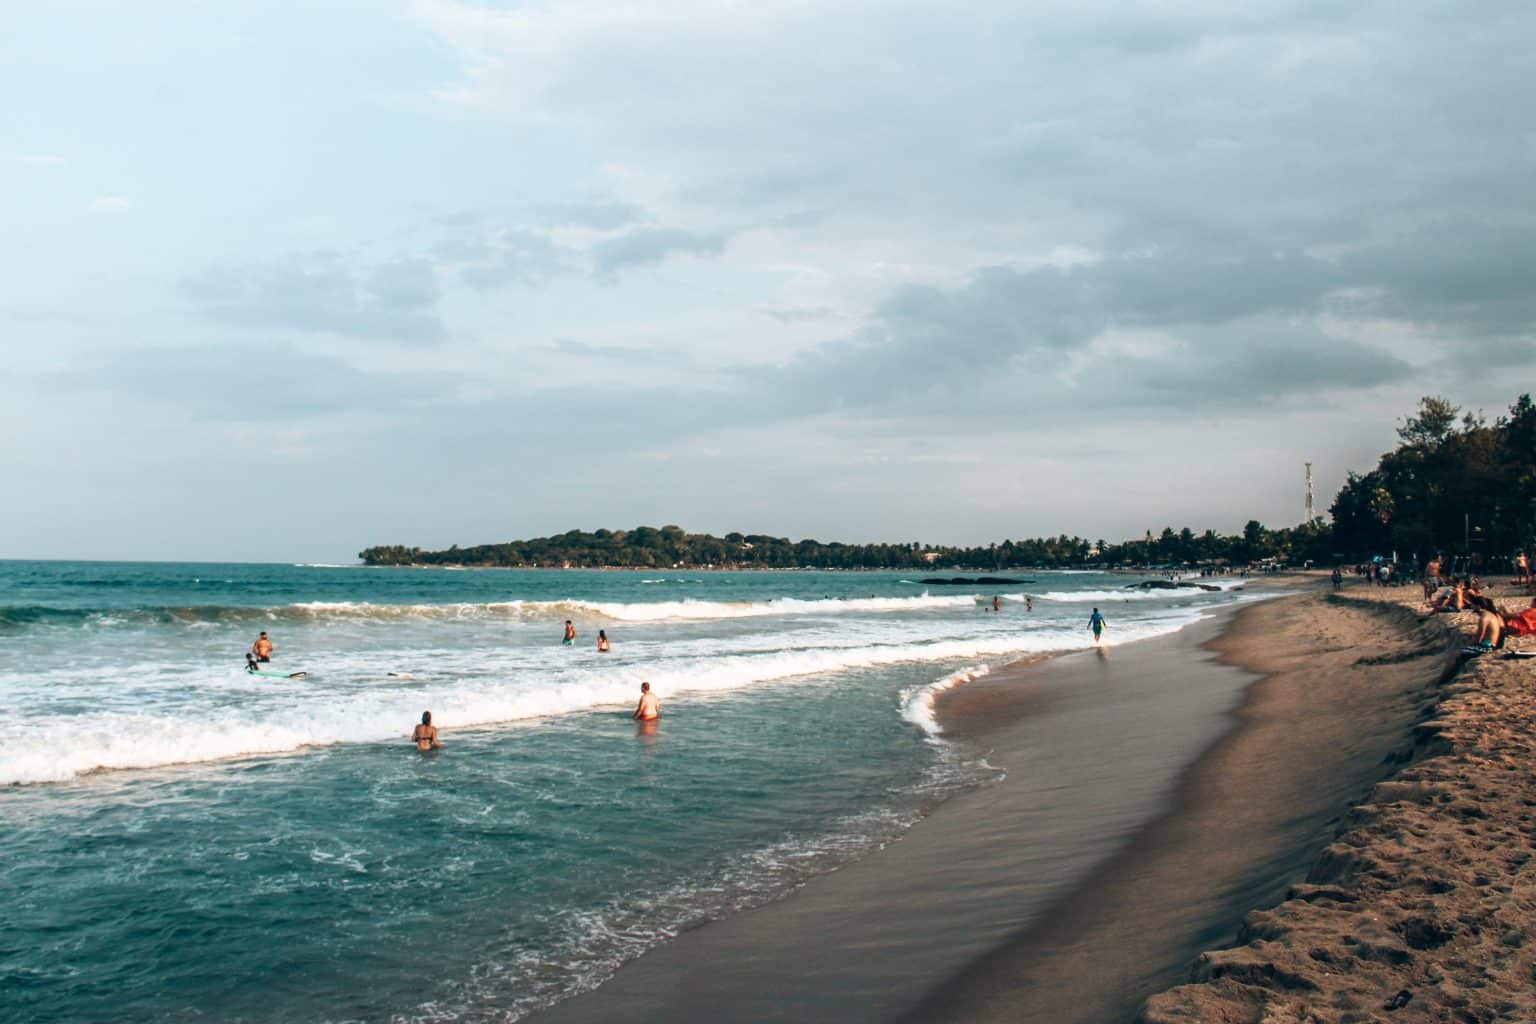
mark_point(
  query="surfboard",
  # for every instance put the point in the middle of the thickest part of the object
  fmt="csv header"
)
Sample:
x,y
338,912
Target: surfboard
x,y
275,675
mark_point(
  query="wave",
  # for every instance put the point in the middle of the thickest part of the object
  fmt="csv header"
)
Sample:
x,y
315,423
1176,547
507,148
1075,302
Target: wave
x,y
658,611
918,705
1109,596
293,717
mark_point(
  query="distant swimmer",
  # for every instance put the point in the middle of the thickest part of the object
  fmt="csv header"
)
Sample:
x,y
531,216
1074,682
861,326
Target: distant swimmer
x,y
262,648
570,634
1029,603
425,734
997,603
1096,623
602,641
649,708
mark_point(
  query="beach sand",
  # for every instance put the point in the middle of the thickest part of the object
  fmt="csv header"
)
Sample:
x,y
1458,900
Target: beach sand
x,y
1424,907
1111,854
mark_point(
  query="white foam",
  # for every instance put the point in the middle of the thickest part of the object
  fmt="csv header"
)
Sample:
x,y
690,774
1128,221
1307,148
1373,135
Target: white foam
x,y
641,611
918,705
225,715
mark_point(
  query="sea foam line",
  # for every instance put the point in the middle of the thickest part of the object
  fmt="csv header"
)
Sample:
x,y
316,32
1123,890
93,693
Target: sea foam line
x,y
61,747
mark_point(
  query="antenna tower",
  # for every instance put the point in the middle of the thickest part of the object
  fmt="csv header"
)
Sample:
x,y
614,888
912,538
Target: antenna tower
x,y
1310,512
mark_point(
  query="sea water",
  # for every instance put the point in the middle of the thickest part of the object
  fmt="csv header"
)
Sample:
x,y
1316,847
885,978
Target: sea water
x,y
181,840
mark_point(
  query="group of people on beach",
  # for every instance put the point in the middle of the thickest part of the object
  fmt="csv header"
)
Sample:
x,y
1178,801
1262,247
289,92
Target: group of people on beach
x,y
1465,594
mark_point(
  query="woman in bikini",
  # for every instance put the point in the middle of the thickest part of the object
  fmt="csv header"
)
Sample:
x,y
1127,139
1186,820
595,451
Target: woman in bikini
x,y
425,734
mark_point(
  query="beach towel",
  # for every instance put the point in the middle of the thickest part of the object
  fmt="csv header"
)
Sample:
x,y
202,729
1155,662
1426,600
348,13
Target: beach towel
x,y
1523,624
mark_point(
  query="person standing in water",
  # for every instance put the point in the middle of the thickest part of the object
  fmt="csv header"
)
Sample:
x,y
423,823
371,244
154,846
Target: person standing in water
x,y
649,708
602,641
425,734
262,648
1029,603
997,603
570,634
1096,623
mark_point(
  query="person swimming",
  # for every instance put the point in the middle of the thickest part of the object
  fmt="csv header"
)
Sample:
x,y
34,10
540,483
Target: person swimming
x,y
262,648
570,634
649,708
602,641
425,734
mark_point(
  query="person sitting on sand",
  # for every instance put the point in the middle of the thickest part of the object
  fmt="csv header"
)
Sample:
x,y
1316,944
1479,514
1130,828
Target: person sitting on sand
x,y
570,634
602,641
649,708
262,648
425,734
1452,600
1096,623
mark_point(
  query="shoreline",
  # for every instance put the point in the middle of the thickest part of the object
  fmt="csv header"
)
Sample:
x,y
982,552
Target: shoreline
x,y
1421,908
1094,749
962,919
1249,816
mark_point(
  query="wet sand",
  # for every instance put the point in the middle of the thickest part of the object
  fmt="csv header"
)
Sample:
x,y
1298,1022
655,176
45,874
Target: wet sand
x,y
1153,794
1342,686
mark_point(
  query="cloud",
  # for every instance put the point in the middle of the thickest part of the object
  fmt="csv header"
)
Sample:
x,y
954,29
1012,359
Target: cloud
x,y
643,246
246,383
393,300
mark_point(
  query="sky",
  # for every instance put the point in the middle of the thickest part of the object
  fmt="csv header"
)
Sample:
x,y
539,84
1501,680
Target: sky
x,y
279,282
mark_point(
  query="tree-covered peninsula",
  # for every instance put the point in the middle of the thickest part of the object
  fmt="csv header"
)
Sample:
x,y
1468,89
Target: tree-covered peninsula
x,y
1455,484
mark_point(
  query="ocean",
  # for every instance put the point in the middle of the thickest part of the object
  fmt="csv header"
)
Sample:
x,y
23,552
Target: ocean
x,y
182,840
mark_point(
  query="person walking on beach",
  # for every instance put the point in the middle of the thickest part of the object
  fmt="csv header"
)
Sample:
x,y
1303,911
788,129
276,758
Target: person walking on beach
x,y
649,708
1338,578
602,641
425,734
570,634
262,648
1096,623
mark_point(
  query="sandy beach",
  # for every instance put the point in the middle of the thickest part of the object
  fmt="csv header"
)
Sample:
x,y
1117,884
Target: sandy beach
x,y
1420,909
1045,897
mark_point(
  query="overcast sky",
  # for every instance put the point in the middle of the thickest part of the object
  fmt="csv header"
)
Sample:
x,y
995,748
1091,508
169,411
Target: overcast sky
x,y
278,282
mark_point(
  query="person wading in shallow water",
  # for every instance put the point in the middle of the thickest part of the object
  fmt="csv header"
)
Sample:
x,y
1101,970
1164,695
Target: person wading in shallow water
x,y
262,648
1096,623
570,634
425,734
602,641
649,708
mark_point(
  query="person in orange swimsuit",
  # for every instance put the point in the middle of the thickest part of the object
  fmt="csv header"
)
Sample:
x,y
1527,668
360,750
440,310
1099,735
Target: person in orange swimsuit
x,y
649,708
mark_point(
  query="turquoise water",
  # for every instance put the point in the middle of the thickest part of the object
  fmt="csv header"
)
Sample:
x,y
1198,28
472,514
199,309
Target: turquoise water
x,y
184,841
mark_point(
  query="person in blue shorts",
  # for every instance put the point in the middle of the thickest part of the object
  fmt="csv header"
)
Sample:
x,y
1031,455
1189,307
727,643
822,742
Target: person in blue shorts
x,y
570,634
1096,623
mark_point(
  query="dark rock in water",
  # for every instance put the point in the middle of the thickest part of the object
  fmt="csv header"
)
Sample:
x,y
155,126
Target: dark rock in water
x,y
1169,585
962,581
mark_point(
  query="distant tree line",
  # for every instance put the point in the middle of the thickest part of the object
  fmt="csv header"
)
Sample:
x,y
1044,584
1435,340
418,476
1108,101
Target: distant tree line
x,y
670,546
1448,480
